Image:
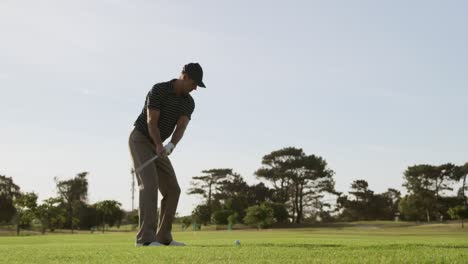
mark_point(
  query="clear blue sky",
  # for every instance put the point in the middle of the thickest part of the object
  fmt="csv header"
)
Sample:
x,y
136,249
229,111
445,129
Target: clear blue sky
x,y
371,86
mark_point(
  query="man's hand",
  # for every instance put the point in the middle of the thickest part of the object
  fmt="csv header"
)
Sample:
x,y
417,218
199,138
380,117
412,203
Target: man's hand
x,y
169,148
160,150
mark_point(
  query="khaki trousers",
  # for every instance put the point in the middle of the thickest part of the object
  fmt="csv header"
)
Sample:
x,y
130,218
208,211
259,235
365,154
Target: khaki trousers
x,y
157,175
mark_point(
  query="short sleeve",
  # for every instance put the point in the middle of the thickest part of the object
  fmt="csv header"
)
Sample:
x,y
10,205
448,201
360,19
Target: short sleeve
x,y
188,108
155,97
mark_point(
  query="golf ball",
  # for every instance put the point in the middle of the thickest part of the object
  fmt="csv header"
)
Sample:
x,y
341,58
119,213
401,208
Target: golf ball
x,y
237,242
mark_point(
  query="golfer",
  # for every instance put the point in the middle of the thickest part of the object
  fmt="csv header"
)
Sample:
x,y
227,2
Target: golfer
x,y
167,111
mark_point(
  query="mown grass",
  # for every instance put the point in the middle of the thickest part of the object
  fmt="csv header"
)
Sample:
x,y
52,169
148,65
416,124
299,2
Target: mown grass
x,y
364,242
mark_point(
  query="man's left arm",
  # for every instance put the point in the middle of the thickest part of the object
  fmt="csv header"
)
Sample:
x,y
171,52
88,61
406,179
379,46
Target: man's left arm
x,y
180,129
181,125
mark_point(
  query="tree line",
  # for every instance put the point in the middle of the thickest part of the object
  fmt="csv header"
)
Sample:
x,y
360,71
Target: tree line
x,y
293,188
297,188
68,210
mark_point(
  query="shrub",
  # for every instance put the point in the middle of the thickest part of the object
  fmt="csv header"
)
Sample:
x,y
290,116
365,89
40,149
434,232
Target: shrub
x,y
259,216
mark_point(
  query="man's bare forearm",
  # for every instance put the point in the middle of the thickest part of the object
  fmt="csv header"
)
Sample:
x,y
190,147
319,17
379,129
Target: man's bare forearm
x,y
154,132
177,135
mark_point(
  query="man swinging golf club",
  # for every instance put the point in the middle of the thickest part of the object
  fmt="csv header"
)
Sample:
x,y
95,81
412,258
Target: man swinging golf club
x,y
167,111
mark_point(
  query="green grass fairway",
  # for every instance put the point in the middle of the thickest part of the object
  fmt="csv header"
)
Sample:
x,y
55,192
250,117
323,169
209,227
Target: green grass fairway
x,y
360,243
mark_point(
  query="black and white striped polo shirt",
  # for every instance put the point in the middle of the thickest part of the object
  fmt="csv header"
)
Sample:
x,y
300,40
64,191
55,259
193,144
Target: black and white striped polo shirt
x,y
162,97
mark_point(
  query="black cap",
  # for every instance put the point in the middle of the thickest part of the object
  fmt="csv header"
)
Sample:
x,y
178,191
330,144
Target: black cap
x,y
194,72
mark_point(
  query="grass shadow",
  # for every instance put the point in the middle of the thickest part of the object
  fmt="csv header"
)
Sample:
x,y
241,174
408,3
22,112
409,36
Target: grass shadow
x,y
319,246
412,246
269,245
308,246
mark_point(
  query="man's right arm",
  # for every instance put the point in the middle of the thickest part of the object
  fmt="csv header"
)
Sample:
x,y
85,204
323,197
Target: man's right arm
x,y
153,128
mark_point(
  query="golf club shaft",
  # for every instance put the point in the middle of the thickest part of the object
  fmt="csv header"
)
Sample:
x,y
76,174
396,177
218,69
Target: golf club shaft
x,y
142,166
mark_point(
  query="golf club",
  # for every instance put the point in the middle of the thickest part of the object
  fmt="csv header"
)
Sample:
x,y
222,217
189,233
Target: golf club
x,y
142,166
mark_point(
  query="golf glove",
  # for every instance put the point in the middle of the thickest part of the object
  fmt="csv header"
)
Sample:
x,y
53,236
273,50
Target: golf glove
x,y
169,148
